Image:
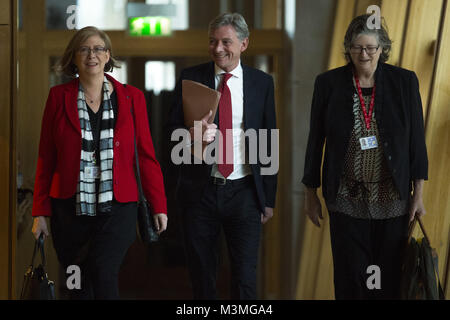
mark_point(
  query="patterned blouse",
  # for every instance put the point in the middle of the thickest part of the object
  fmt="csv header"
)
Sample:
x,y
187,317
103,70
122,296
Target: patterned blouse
x,y
366,189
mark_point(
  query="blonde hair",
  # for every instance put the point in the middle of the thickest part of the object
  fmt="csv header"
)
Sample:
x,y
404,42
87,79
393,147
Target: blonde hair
x,y
65,64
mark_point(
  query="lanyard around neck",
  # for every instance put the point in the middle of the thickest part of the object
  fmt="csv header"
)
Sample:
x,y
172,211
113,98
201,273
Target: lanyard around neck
x,y
367,116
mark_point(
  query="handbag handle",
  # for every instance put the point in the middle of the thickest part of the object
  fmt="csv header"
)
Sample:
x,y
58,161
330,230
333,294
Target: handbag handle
x,y
138,175
411,229
39,244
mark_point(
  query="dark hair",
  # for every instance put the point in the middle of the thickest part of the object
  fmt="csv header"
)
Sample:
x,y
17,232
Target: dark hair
x,y
358,26
235,20
66,65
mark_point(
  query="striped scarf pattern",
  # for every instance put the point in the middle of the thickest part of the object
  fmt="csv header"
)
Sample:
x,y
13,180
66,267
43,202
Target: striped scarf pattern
x,y
87,198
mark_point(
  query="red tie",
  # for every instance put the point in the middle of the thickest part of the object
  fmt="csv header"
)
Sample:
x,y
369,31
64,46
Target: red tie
x,y
226,122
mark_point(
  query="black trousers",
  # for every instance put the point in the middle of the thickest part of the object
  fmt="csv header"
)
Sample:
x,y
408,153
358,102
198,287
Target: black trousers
x,y
96,244
234,208
359,243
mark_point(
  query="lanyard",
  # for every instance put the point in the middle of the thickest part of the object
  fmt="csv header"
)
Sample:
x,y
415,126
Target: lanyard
x,y
367,116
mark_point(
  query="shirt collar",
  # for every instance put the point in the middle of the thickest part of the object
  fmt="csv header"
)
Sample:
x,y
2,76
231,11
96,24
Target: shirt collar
x,y
236,72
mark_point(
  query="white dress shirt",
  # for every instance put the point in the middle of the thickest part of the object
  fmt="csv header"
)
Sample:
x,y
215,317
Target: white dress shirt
x,y
236,85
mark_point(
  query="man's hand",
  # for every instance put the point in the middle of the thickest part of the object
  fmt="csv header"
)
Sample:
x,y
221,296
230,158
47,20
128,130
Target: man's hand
x,y
313,207
208,130
268,213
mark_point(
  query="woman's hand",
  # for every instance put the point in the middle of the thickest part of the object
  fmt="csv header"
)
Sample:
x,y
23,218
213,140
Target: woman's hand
x,y
417,209
313,207
39,226
160,220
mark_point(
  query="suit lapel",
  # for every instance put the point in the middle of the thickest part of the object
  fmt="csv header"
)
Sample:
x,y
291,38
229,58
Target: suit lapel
x,y
249,95
70,104
343,109
379,93
209,76
209,79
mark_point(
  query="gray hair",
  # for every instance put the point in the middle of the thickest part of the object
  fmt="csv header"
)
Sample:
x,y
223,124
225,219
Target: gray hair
x,y
358,26
235,20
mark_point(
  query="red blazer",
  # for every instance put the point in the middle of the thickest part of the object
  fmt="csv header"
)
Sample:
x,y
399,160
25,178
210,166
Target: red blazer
x,y
58,166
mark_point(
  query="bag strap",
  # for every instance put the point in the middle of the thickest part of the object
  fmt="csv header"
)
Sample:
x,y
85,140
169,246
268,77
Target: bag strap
x,y
411,229
137,172
39,245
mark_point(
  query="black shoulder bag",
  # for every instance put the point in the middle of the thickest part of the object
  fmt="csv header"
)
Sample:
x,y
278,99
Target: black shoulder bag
x,y
146,224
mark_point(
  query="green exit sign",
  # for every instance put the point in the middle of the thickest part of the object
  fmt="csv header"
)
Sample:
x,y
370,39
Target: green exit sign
x,y
150,26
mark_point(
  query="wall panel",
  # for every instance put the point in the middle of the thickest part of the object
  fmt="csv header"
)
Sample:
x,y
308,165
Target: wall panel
x,y
5,164
362,5
5,12
7,149
394,12
344,15
420,41
437,189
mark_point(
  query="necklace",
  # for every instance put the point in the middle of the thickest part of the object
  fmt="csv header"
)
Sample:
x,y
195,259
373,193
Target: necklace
x,y
90,99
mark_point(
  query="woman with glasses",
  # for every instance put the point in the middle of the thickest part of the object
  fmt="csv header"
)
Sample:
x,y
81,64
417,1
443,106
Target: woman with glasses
x,y
369,116
85,177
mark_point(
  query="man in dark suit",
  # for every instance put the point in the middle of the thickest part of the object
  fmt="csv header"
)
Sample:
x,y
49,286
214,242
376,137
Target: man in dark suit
x,y
231,194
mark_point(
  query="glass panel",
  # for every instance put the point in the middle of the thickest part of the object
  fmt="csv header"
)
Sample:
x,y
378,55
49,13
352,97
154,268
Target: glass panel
x,y
59,13
120,74
202,12
71,14
159,75
103,14
112,14
20,15
181,20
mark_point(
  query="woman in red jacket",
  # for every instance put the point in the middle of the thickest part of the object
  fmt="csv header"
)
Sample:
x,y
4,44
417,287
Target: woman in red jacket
x,y
85,178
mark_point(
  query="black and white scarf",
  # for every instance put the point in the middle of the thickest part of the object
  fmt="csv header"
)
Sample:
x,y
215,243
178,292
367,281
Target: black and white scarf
x,y
88,200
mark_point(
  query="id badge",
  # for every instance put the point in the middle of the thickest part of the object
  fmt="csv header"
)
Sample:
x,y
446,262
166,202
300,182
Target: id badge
x,y
91,172
368,143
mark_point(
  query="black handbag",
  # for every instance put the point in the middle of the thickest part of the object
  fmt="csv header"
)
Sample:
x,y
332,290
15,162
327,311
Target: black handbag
x,y
420,274
146,225
36,285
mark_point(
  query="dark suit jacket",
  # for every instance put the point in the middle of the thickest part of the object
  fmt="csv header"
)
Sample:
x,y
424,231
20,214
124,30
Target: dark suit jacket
x,y
259,113
58,165
399,116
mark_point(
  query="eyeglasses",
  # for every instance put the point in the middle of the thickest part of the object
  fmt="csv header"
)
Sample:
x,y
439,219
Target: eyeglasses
x,y
85,51
370,50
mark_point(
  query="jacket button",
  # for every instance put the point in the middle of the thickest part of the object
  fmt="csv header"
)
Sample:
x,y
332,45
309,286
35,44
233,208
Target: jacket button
x,y
386,144
390,158
117,143
128,97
